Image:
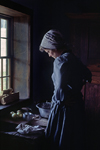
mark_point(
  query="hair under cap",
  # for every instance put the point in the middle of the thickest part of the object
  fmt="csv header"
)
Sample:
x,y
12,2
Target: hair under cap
x,y
53,39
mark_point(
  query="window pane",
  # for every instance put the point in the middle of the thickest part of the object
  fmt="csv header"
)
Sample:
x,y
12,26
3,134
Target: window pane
x,y
4,62
3,47
6,67
3,28
0,67
0,84
4,83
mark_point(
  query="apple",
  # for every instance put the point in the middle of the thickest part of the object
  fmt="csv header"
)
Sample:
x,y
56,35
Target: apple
x,y
20,115
14,115
19,112
11,112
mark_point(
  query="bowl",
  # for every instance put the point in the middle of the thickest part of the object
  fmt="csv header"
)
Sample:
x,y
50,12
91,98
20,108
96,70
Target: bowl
x,y
28,116
44,109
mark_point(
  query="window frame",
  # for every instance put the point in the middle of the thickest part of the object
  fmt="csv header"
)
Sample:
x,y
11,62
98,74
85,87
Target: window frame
x,y
13,10
9,46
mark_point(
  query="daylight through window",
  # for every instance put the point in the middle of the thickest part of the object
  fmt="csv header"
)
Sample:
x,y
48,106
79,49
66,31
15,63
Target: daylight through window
x,y
5,60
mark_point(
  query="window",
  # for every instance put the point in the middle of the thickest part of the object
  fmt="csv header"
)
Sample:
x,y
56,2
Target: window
x,y
15,50
5,58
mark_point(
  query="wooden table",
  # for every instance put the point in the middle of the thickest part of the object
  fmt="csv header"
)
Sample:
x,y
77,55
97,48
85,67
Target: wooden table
x,y
10,139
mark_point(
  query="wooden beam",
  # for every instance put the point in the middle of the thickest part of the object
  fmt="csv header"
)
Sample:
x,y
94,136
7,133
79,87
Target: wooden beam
x,y
83,15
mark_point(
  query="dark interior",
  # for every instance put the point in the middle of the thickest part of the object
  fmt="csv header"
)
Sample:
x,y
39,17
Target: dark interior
x,y
79,21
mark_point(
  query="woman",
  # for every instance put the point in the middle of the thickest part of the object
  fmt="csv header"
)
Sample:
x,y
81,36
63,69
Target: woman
x,y
65,129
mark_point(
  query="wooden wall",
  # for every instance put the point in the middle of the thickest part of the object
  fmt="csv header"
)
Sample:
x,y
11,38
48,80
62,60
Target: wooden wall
x,y
85,41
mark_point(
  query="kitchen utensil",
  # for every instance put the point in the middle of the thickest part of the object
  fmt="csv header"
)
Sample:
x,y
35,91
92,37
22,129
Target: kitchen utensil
x,y
44,109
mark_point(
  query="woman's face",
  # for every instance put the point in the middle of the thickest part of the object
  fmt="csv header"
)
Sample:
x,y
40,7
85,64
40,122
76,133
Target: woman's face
x,y
52,53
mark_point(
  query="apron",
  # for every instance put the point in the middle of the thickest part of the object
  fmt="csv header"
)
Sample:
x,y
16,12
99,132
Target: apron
x,y
66,127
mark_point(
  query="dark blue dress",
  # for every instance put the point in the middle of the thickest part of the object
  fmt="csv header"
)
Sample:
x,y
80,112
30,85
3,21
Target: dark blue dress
x,y
65,129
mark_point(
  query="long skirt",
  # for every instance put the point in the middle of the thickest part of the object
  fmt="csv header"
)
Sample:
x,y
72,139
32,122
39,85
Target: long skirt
x,y
66,127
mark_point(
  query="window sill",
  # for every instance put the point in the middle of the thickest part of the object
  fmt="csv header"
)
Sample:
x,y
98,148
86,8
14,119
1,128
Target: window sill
x,y
4,109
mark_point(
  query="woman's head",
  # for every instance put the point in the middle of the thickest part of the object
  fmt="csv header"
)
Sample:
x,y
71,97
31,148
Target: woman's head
x,y
53,53
53,40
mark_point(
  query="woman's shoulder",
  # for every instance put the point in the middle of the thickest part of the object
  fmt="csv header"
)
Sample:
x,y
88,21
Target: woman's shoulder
x,y
64,58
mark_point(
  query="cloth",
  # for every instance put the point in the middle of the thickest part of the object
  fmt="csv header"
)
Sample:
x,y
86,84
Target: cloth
x,y
28,129
53,39
65,129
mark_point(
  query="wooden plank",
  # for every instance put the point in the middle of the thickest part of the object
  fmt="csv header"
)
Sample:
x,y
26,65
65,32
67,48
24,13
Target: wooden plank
x,y
79,38
75,34
96,80
11,12
83,15
92,99
84,41
41,122
94,67
94,40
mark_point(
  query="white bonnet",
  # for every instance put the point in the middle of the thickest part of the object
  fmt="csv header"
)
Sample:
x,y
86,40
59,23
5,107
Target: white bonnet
x,y
53,39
